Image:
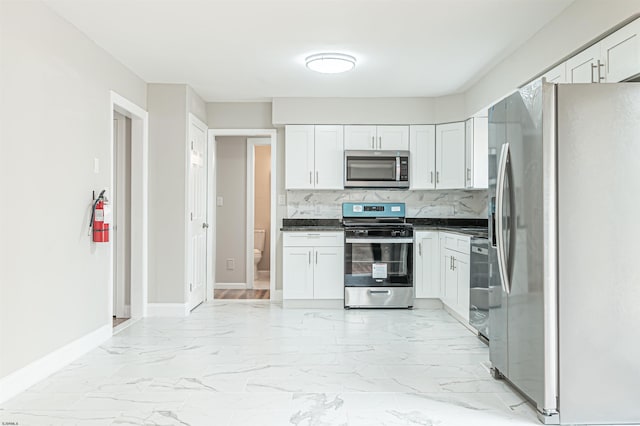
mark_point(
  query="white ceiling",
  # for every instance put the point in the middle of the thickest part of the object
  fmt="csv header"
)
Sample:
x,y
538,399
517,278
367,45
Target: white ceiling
x,y
251,50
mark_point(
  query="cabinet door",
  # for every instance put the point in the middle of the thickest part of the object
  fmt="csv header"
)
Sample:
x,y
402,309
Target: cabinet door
x,y
450,153
427,264
480,164
299,157
620,53
450,280
393,138
557,74
422,147
360,137
583,67
463,280
328,275
297,273
329,157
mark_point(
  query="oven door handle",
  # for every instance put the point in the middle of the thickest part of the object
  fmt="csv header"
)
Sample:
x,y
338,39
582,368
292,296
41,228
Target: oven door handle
x,y
379,240
379,291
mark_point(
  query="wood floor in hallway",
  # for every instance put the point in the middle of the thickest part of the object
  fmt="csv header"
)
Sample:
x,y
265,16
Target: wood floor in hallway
x,y
223,293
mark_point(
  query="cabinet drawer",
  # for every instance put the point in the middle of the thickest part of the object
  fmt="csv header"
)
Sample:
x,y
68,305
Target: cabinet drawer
x,y
459,243
313,239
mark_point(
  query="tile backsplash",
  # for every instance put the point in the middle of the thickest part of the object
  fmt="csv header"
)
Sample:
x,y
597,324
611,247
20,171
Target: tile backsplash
x,y
433,204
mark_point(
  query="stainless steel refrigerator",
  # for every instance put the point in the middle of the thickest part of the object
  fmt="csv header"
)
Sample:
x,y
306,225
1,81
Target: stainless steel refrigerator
x,y
564,200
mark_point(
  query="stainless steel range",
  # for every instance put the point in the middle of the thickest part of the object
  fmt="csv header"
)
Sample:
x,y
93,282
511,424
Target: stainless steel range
x,y
378,256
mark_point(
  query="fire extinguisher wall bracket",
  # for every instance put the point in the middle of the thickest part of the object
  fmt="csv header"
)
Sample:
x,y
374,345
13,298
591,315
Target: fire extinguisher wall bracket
x,y
99,227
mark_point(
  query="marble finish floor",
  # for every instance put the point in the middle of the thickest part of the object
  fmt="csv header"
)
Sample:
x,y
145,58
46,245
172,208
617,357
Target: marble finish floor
x,y
254,363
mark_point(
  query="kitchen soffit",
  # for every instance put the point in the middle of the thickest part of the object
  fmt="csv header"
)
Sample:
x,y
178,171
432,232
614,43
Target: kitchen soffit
x,y
252,50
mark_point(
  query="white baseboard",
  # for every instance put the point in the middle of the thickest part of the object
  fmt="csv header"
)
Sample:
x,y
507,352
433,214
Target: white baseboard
x,y
276,295
460,318
238,286
313,303
27,376
427,303
168,309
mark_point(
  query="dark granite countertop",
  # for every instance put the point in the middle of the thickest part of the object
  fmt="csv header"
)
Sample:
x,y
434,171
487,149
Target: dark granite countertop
x,y
475,227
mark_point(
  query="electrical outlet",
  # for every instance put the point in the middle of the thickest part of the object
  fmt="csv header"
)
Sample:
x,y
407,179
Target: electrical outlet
x,y
219,201
282,200
231,264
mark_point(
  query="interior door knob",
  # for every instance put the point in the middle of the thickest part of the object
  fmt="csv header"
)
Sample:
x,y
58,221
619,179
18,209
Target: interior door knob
x,y
205,225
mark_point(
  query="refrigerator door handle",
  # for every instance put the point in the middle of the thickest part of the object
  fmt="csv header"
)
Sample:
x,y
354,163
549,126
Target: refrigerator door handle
x,y
502,176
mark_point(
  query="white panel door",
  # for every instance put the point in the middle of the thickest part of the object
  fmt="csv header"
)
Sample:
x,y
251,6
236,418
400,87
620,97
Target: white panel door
x,y
620,52
393,138
422,148
360,137
583,67
197,247
329,157
427,264
450,155
299,156
328,275
557,74
297,273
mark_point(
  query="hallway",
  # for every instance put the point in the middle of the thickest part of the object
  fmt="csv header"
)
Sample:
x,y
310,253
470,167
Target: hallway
x,y
253,363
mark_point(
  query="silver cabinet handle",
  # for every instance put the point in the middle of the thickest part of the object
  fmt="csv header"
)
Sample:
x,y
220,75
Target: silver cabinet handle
x,y
437,177
453,263
316,257
309,257
593,67
379,142
432,177
310,178
317,176
600,76
420,249
373,142
468,173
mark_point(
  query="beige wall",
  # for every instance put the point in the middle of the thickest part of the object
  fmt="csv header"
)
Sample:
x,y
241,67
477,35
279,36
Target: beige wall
x,y
262,199
55,108
231,217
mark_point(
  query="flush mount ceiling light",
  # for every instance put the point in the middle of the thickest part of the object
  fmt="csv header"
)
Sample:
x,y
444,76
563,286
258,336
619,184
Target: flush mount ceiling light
x,y
330,63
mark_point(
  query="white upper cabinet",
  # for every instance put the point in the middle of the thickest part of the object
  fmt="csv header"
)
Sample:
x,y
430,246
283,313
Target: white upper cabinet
x,y
616,58
450,156
558,74
360,137
329,157
583,67
314,157
374,138
299,157
422,147
620,53
476,152
393,138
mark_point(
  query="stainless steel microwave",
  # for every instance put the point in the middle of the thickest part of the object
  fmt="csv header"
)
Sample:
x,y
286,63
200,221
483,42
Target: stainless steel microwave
x,y
376,169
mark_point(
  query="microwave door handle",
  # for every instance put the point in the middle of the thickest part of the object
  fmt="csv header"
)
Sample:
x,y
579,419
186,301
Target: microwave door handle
x,y
397,168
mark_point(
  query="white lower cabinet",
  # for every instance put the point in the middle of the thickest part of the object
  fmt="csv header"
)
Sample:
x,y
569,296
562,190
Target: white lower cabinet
x,y
427,264
313,265
455,273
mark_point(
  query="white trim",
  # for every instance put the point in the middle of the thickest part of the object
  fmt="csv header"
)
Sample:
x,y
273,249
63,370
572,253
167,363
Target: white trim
x,y
459,317
313,303
168,309
240,286
273,134
29,375
211,214
124,325
427,304
251,197
276,295
139,203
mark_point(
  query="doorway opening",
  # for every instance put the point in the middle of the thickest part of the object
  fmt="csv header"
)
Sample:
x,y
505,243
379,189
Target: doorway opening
x,y
121,227
244,214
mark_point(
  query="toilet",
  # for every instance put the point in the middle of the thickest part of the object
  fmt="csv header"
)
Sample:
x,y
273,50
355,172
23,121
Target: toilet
x,y
258,248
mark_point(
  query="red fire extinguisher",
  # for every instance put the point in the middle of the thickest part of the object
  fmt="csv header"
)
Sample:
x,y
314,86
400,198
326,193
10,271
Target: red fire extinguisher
x,y
100,227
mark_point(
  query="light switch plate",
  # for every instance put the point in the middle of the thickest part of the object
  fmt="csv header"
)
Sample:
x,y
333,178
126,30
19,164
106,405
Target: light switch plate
x,y
231,264
282,200
219,201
